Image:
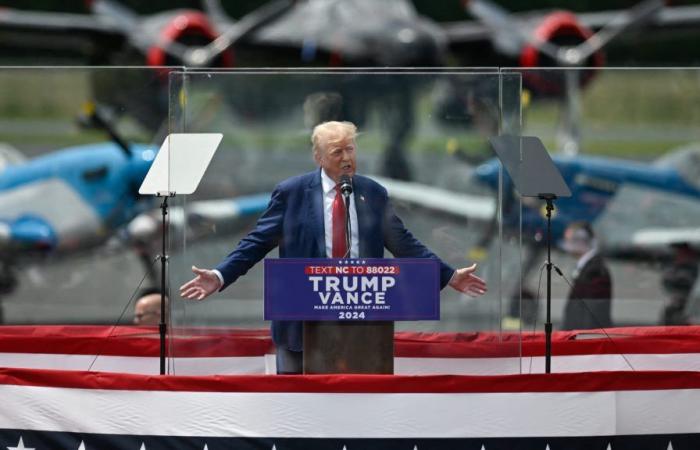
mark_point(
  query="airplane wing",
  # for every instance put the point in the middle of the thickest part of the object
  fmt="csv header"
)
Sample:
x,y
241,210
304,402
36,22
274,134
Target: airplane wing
x,y
639,219
665,236
220,214
103,33
199,218
384,35
675,16
461,205
204,216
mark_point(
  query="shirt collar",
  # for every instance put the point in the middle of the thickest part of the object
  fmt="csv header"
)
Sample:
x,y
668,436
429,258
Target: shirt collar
x,y
586,257
327,183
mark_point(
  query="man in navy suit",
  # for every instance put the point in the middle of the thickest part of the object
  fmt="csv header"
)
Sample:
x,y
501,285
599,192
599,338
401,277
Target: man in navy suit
x,y
589,303
303,220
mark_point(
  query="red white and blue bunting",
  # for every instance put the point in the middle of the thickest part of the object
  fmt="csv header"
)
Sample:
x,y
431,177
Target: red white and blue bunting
x,y
73,410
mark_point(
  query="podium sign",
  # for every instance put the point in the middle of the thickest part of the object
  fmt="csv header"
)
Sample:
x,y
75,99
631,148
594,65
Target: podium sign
x,y
361,289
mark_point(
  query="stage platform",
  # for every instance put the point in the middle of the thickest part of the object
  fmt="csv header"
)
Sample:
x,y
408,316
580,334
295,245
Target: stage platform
x,y
593,402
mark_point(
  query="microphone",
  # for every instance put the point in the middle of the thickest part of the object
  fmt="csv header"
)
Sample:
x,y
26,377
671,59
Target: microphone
x,y
345,185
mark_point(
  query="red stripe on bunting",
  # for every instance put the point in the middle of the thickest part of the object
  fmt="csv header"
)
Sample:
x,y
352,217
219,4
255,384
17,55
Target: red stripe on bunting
x,y
133,341
565,382
225,342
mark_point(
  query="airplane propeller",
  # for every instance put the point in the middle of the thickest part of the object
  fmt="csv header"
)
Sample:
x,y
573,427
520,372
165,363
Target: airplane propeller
x,y
233,31
637,15
511,37
93,116
569,135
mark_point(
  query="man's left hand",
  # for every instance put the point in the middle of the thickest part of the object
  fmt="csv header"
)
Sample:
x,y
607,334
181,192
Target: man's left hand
x,y
465,281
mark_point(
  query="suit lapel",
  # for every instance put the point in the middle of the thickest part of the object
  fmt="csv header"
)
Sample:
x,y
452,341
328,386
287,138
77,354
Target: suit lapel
x,y
361,206
314,202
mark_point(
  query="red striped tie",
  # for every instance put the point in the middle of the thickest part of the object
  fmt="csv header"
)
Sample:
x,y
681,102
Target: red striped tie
x,y
340,246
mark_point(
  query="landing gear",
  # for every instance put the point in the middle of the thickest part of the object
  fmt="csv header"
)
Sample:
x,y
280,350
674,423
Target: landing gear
x,y
8,280
8,283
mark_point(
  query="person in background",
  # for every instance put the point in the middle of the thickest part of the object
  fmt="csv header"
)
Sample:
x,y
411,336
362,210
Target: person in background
x,y
678,280
589,302
147,307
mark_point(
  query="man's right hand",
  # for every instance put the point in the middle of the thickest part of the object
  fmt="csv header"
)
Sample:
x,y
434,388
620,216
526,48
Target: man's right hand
x,y
202,286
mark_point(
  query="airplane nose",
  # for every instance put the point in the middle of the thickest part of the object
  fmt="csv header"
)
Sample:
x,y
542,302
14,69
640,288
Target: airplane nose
x,y
410,46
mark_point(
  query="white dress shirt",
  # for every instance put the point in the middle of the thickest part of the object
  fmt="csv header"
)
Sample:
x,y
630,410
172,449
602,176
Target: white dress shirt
x,y
329,192
583,260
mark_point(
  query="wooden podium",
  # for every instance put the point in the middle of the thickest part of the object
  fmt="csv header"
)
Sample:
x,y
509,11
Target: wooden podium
x,y
348,307
349,347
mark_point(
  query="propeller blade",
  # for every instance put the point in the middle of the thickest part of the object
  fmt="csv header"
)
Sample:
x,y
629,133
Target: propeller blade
x,y
94,116
510,36
637,15
569,133
205,55
215,11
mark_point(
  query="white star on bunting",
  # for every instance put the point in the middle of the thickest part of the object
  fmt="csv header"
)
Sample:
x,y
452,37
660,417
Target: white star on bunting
x,y
143,446
82,445
20,446
670,446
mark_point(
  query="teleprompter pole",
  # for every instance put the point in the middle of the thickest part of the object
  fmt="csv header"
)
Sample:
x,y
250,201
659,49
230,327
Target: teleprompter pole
x,y
162,325
549,198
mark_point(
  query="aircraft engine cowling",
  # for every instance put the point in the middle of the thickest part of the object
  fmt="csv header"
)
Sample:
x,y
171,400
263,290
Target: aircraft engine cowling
x,y
189,28
563,30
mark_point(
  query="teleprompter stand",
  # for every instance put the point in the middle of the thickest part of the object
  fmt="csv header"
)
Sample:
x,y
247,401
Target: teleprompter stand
x,y
534,175
178,168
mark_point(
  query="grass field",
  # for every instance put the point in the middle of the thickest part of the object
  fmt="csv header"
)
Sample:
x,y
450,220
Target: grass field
x,y
638,114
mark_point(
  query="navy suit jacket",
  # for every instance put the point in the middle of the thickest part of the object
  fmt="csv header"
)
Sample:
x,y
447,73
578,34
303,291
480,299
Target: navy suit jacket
x,y
589,303
294,221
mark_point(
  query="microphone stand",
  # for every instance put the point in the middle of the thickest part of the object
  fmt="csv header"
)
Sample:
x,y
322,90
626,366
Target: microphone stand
x,y
346,191
348,230
549,198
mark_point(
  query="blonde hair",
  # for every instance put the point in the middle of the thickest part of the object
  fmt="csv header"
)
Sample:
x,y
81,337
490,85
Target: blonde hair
x,y
332,132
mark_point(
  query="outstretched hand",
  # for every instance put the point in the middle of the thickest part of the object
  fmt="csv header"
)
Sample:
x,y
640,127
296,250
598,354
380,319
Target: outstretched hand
x,y
202,286
465,281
